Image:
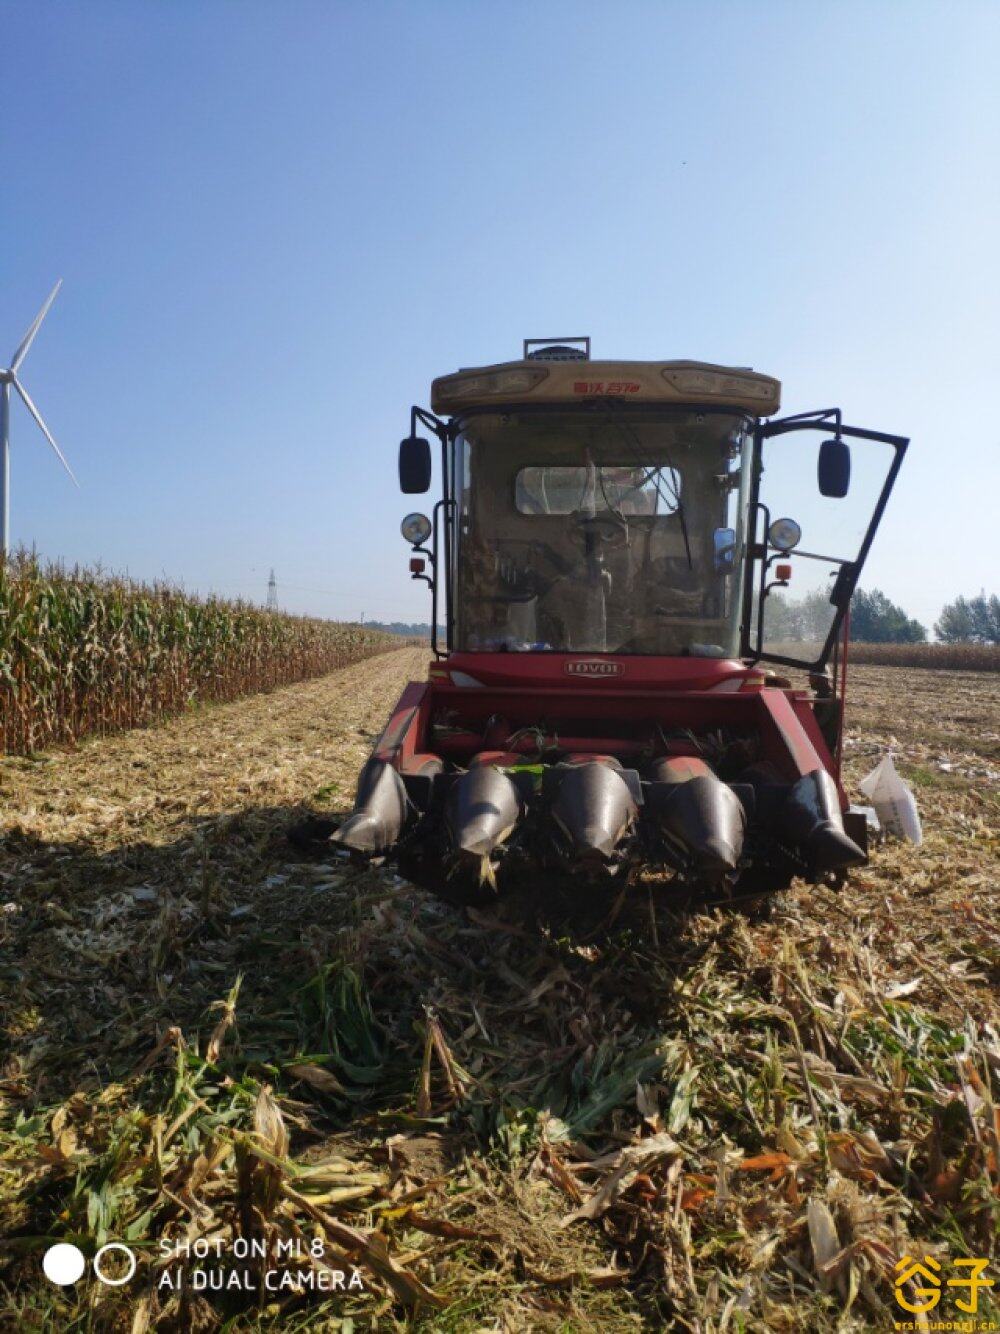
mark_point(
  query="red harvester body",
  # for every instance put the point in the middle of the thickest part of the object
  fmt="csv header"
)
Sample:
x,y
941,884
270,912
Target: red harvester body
x,y
611,575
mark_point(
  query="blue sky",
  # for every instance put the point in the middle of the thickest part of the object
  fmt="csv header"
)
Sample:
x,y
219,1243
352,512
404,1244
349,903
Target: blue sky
x,y
277,222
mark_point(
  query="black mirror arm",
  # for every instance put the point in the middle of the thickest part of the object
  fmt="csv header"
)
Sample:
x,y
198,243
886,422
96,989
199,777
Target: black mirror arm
x,y
427,419
421,550
759,552
428,579
444,507
775,583
844,585
819,418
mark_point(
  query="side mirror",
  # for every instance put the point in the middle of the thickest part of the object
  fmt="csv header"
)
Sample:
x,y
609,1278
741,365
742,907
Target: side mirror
x,y
414,466
724,550
834,469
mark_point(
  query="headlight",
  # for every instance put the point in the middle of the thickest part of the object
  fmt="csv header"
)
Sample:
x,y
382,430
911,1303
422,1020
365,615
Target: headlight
x,y
712,384
416,528
455,388
784,534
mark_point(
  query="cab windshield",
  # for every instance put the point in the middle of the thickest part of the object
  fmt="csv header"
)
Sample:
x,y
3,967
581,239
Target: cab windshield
x,y
601,531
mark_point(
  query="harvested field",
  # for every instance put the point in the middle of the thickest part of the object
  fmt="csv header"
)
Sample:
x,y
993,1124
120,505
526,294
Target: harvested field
x,y
541,1116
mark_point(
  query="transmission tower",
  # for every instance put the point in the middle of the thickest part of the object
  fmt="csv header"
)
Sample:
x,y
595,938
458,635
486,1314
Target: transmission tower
x,y
272,593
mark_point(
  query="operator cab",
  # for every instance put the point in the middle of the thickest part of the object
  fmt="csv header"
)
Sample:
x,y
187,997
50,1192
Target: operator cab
x,y
593,530
616,507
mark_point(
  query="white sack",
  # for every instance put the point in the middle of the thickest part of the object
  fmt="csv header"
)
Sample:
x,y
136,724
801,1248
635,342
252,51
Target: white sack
x,y
895,805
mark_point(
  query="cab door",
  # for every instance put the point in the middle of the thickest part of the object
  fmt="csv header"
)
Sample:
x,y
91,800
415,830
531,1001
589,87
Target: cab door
x,y
830,482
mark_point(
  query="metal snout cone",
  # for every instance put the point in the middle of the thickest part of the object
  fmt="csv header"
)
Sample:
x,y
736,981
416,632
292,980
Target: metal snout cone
x,y
695,809
482,811
595,809
812,819
380,810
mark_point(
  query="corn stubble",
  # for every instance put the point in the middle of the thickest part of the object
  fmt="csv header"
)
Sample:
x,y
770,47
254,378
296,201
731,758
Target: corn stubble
x,y
547,1115
82,653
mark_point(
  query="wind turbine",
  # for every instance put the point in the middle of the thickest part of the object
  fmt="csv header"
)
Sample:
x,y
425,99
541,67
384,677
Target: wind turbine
x,y
9,380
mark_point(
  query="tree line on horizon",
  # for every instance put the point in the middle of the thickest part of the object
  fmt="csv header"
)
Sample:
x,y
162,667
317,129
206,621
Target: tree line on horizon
x,y
876,619
408,630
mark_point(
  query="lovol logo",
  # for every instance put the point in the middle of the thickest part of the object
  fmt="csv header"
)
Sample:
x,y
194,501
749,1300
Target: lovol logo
x,y
594,667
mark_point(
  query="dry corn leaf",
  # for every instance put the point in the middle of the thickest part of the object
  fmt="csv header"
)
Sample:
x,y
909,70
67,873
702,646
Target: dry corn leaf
x,y
897,990
371,1250
629,1162
765,1162
317,1077
823,1238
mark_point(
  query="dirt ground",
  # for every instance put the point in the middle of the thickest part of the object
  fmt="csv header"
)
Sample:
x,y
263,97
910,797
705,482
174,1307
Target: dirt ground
x,y
539,1115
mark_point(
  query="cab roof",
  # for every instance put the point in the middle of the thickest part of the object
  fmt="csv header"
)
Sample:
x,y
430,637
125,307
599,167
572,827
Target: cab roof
x,y
692,383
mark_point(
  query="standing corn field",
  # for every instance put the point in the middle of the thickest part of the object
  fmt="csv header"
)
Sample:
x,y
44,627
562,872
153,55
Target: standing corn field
x,y
84,653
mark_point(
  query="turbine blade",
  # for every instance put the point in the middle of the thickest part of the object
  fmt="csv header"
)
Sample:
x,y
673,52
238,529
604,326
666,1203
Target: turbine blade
x,y
42,427
29,337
